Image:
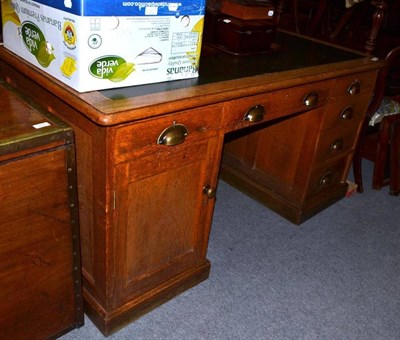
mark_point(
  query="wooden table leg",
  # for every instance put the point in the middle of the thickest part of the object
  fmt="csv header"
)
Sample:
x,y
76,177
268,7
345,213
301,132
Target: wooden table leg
x,y
377,19
395,158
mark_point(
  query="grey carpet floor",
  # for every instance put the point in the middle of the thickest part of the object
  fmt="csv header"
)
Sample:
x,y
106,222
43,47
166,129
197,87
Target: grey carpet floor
x,y
337,276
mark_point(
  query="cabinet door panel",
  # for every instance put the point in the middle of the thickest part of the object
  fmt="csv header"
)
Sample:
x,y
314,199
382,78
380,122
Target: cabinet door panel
x,y
162,214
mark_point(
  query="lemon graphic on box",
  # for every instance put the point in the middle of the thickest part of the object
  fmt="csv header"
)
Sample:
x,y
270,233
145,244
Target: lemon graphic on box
x,y
8,13
37,44
122,72
45,54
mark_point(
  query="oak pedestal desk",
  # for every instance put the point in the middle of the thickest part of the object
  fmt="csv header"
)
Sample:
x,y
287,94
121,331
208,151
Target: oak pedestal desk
x,y
283,125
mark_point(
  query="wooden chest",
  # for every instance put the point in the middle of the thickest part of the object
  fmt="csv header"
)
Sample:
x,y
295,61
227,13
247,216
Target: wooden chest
x,y
240,27
40,280
248,9
244,36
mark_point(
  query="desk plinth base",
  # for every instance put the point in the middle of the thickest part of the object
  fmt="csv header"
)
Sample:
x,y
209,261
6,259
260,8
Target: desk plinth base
x,y
295,213
109,322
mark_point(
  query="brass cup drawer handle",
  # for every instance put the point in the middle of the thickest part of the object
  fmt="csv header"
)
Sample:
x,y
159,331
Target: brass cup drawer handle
x,y
254,114
311,99
354,88
347,113
337,145
326,179
173,135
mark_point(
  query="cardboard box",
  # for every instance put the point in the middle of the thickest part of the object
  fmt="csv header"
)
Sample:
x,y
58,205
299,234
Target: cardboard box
x,y
92,45
351,189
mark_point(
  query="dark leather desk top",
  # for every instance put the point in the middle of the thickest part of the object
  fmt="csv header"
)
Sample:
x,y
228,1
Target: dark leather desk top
x,y
223,77
293,52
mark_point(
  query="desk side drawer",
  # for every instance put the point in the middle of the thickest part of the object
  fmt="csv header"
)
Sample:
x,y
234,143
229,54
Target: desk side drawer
x,y
354,85
336,142
138,139
343,114
324,180
274,104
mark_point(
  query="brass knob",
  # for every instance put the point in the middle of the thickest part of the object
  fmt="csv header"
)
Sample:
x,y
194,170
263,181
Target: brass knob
x,y
311,99
326,179
347,113
173,135
209,191
255,114
354,88
337,145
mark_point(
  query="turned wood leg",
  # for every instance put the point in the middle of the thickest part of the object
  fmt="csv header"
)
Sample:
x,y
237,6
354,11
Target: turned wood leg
x,y
377,18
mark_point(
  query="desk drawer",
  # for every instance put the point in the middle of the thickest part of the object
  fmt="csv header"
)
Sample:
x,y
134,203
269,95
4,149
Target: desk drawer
x,y
274,104
140,139
343,114
354,85
326,179
334,142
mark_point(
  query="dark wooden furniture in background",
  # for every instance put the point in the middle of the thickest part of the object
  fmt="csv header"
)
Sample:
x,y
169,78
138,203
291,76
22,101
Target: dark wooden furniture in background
x,y
148,159
378,16
1,28
374,143
40,276
359,26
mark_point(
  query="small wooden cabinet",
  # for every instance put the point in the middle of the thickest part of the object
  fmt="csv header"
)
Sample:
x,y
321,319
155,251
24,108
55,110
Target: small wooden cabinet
x,y
162,208
160,199
40,276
